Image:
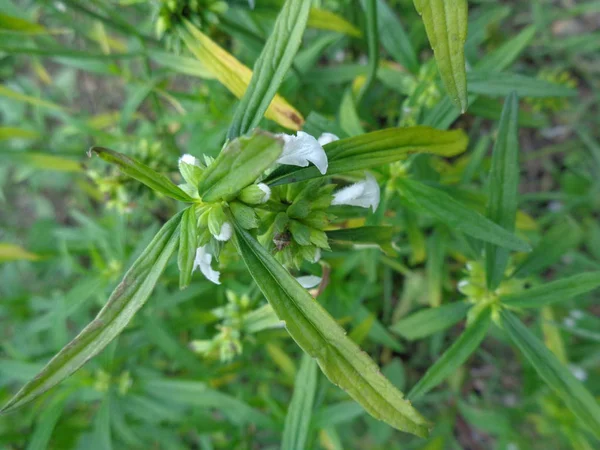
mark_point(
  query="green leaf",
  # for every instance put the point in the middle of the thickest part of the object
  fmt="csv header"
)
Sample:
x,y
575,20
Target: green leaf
x,y
201,396
188,242
446,26
17,25
297,420
370,8
238,165
326,20
46,422
445,112
394,38
431,320
503,189
9,93
455,356
319,335
554,291
13,252
372,235
349,119
455,215
375,149
128,297
17,133
501,84
503,57
142,173
271,66
563,236
558,377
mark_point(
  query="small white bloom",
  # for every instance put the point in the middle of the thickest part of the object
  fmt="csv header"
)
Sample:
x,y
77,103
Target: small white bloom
x,y
188,159
569,322
202,261
301,149
326,138
317,257
225,232
578,372
309,281
267,190
365,194
577,314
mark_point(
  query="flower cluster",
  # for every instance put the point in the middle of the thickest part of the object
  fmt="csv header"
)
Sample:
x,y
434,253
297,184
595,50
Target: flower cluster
x,y
290,220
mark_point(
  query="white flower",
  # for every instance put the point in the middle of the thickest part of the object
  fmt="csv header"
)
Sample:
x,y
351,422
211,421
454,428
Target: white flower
x,y
267,190
365,194
309,281
577,314
569,322
326,138
202,261
188,159
317,257
225,232
578,372
301,149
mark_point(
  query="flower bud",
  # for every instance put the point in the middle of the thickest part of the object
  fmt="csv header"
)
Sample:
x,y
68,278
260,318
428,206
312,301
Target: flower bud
x,y
255,194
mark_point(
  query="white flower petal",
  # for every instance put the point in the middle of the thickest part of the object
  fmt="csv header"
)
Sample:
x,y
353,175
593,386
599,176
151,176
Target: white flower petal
x,y
267,190
365,194
202,261
578,372
326,138
317,257
188,159
301,149
309,281
225,232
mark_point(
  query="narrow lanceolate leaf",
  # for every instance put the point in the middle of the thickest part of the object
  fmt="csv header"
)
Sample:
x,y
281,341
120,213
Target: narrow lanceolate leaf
x,y
128,297
142,173
239,164
556,375
13,24
319,335
457,216
503,189
235,76
562,237
271,66
13,252
493,84
431,320
188,241
446,25
376,149
556,291
297,420
370,7
394,38
326,20
455,356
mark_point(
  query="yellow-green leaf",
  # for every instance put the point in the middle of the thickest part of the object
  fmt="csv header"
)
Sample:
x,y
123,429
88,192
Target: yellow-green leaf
x,y
446,26
235,76
6,92
327,20
14,252
16,133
